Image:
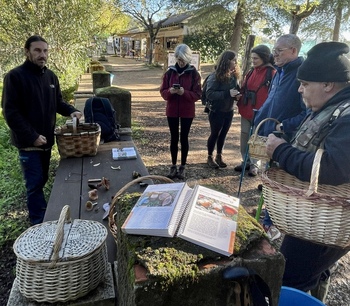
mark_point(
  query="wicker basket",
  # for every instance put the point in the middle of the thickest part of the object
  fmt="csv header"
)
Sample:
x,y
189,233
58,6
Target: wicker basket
x,y
257,144
78,139
111,218
58,261
318,213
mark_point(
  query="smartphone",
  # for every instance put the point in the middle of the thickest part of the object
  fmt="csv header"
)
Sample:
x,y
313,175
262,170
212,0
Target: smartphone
x,y
176,86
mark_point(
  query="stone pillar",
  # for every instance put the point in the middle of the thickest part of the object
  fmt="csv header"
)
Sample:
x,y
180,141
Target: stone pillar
x,y
121,101
100,79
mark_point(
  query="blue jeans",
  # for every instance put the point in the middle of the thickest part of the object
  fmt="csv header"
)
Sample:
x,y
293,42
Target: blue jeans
x,y
35,168
267,220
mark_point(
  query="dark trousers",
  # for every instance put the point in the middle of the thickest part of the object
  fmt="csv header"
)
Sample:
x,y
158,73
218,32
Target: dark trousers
x,y
306,262
220,123
174,124
35,167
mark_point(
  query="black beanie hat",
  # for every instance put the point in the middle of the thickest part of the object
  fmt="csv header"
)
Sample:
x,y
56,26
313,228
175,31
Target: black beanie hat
x,y
263,51
326,62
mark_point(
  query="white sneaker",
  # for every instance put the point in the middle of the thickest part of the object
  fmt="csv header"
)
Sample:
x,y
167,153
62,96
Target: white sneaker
x,y
272,232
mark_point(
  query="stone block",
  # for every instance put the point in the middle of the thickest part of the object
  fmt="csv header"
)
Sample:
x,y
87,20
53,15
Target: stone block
x,y
100,79
121,102
170,271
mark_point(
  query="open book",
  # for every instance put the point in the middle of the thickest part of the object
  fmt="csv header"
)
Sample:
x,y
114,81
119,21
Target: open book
x,y
201,215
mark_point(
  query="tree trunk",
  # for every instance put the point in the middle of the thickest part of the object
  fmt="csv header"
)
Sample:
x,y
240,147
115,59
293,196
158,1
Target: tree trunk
x,y
246,60
238,26
151,47
337,22
294,26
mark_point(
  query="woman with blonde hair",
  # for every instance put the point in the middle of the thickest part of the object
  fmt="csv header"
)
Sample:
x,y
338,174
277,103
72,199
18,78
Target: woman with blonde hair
x,y
181,88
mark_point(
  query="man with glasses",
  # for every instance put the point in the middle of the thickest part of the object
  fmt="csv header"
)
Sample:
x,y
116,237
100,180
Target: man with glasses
x,y
284,102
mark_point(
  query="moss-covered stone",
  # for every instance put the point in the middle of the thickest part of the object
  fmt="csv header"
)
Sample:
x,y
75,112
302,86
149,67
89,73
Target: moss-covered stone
x,y
172,257
177,270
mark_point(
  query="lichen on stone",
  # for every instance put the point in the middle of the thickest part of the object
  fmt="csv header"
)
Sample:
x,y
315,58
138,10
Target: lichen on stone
x,y
112,90
168,259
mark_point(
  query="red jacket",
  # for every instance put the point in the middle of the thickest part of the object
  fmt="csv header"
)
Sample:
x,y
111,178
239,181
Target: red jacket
x,y
256,78
181,106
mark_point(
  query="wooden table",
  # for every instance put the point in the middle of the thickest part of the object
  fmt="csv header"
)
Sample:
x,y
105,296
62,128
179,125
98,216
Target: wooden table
x,y
71,185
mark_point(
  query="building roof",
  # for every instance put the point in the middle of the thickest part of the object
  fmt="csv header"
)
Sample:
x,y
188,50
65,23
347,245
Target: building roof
x,y
171,21
175,19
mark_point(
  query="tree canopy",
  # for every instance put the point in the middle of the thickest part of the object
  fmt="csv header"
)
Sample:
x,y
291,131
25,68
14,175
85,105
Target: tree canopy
x,y
68,26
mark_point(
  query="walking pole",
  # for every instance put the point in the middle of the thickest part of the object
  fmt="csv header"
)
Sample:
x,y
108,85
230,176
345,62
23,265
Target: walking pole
x,y
246,154
260,204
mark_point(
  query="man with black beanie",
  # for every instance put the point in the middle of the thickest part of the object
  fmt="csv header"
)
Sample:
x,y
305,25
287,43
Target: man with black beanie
x,y
325,87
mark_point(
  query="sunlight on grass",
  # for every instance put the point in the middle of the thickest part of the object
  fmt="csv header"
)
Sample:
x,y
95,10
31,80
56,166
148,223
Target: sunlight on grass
x,y
138,133
13,208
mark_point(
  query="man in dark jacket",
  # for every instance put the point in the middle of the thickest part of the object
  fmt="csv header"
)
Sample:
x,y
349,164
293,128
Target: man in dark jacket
x,y
284,102
30,100
325,87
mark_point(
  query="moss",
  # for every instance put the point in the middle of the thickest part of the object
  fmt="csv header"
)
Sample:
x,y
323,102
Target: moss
x,y
174,260
248,231
96,67
101,72
111,90
95,63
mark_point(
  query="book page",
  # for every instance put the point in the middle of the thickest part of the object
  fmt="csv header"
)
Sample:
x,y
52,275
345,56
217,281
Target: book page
x,y
211,220
156,210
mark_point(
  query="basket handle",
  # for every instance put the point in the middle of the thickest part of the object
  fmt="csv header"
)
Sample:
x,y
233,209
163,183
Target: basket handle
x,y
260,124
315,171
111,215
64,217
75,124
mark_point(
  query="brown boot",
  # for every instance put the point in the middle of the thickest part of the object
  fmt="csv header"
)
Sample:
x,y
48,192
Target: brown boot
x,y
219,161
211,163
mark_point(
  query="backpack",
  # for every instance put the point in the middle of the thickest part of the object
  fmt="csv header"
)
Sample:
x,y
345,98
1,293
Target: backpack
x,y
100,110
204,89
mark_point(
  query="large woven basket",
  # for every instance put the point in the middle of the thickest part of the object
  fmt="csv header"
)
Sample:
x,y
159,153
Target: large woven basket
x,y
318,213
78,139
111,218
257,144
59,261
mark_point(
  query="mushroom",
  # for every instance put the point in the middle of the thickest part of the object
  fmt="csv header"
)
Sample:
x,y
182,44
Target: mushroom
x,y
93,195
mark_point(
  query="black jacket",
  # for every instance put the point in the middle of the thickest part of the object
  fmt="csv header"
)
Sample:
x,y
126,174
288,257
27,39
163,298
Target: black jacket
x,y
30,100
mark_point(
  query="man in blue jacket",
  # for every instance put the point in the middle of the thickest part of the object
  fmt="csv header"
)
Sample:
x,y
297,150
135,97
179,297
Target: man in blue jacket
x,y
325,87
284,102
30,100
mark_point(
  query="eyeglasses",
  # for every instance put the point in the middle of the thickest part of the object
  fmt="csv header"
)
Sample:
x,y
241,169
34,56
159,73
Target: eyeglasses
x,y
279,50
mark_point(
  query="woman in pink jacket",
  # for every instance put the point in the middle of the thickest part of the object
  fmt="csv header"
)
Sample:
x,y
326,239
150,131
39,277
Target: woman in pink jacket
x,y
181,88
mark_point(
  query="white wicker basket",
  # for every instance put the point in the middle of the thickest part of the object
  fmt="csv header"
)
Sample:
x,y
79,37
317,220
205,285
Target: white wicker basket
x,y
313,212
58,261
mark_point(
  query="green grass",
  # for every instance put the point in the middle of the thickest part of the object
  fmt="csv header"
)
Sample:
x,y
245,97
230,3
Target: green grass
x,y
138,133
13,208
